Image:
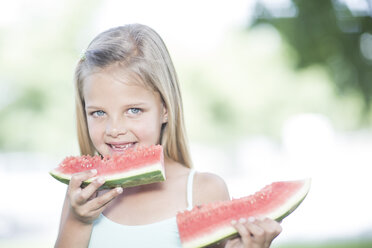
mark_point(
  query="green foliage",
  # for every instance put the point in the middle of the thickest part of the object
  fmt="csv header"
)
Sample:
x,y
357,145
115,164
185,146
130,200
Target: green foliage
x,y
247,87
354,243
327,33
37,58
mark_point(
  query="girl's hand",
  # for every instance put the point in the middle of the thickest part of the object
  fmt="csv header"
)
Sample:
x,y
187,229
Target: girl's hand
x,y
254,233
85,205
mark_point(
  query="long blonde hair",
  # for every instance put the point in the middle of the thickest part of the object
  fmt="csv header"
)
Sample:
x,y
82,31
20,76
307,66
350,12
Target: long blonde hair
x,y
138,50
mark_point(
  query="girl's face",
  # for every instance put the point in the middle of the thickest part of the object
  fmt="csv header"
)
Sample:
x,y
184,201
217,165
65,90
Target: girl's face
x,y
121,114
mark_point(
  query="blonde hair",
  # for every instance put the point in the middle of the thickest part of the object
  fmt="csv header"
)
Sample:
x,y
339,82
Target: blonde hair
x,y
140,51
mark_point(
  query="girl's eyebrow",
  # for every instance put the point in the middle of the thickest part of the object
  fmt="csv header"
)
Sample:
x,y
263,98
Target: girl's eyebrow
x,y
139,104
92,107
136,104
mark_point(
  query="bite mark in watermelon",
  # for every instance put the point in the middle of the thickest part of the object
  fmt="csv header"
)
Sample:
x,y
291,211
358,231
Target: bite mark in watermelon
x,y
208,224
133,167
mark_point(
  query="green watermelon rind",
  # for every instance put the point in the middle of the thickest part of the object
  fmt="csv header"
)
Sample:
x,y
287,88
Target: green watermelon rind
x,y
152,174
229,232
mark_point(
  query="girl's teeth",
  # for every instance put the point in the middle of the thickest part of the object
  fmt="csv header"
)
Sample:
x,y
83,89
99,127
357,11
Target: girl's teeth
x,y
121,146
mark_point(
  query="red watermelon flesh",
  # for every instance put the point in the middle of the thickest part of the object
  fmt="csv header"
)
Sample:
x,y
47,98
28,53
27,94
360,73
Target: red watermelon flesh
x,y
137,166
209,224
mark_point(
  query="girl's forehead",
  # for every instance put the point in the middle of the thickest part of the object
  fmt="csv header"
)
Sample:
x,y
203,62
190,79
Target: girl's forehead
x,y
116,74
105,86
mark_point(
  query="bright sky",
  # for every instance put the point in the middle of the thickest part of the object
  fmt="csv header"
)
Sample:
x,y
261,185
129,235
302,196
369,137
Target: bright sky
x,y
193,24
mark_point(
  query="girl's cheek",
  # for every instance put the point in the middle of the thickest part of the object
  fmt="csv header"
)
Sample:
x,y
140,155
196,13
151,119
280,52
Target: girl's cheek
x,y
90,126
151,134
95,127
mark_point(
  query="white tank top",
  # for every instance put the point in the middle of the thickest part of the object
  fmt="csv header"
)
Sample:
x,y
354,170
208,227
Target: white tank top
x,y
164,234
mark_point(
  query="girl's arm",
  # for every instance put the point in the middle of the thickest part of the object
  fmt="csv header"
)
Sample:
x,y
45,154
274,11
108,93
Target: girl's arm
x,y
254,232
81,207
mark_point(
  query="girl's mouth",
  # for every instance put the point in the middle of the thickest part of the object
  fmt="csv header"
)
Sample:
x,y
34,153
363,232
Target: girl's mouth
x,y
120,147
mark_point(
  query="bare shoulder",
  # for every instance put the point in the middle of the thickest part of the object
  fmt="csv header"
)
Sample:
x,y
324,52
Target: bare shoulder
x,y
209,187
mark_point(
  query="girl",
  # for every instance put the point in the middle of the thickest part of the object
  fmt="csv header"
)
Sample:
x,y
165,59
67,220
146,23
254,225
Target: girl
x,y
128,95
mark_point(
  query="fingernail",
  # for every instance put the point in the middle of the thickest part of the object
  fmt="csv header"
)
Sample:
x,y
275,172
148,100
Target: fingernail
x,y
119,190
101,180
93,171
233,222
261,218
251,219
242,220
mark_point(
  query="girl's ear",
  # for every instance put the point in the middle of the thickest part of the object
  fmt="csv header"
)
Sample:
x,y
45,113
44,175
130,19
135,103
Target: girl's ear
x,y
165,114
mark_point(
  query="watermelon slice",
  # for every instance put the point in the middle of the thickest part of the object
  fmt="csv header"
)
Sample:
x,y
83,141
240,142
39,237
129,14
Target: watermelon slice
x,y
209,224
142,165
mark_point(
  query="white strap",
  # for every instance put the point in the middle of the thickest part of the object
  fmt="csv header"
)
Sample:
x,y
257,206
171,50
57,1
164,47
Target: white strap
x,y
190,182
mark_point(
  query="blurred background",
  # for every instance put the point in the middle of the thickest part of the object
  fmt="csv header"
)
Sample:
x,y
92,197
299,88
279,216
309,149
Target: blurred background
x,y
273,90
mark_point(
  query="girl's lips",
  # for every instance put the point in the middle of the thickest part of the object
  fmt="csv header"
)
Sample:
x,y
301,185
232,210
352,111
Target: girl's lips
x,y
119,147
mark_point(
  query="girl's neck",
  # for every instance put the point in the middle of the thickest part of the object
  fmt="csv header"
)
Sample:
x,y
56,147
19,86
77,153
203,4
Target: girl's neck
x,y
173,169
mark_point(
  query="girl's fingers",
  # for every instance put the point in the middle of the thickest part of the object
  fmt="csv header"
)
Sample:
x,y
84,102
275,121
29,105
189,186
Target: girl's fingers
x,y
245,235
85,194
78,178
271,227
257,233
233,243
263,230
101,201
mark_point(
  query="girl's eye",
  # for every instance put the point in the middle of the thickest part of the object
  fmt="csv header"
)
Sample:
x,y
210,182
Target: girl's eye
x,y
98,113
134,111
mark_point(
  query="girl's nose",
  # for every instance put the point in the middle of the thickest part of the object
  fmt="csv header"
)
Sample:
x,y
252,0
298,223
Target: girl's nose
x,y
115,130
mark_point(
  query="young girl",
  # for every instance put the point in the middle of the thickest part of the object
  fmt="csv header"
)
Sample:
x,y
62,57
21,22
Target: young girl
x,y
128,95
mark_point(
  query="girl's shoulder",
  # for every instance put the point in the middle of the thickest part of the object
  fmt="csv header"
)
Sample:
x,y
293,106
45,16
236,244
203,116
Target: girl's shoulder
x,y
209,187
